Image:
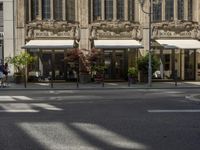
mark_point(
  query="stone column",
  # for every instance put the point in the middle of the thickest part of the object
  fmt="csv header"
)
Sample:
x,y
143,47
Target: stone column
x,y
40,9
51,10
126,10
103,10
29,5
175,9
185,9
163,10
20,14
114,10
136,11
91,11
77,4
64,9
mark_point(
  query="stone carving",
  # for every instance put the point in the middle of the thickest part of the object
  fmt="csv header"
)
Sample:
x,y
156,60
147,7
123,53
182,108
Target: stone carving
x,y
52,29
115,30
176,29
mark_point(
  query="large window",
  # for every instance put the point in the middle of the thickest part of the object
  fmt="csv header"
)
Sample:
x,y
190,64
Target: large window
x,y
190,2
34,9
181,9
58,9
169,10
46,9
97,9
120,9
109,9
157,12
131,10
70,10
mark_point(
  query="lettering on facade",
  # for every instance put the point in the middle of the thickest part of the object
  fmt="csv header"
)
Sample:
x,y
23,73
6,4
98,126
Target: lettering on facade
x,y
48,29
176,29
107,30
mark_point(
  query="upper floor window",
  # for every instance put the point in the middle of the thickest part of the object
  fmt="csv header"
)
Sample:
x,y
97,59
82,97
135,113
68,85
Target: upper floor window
x,y
46,9
190,2
180,9
58,9
157,12
34,9
131,10
169,10
70,10
108,9
96,9
120,9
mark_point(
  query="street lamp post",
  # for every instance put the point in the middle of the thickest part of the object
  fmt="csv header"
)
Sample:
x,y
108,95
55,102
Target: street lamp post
x,y
149,38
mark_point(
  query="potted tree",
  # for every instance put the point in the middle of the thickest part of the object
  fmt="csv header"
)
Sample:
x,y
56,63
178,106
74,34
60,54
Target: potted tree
x,y
20,63
143,64
132,74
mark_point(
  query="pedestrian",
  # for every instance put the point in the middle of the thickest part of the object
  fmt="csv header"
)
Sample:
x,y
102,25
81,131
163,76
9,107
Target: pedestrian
x,y
2,75
6,71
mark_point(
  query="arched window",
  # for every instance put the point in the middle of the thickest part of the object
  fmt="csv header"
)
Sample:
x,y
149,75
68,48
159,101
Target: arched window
x,y
157,12
96,9
169,10
108,9
34,9
190,15
58,9
120,9
70,10
46,12
131,10
181,9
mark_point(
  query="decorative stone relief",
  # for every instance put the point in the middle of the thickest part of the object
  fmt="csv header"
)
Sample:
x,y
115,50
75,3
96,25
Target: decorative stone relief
x,y
176,29
115,30
52,29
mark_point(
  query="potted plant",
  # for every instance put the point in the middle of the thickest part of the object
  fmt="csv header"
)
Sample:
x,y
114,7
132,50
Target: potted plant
x,y
98,72
20,63
132,74
143,64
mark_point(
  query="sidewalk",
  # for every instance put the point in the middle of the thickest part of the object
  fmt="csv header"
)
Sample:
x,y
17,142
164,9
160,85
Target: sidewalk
x,y
96,86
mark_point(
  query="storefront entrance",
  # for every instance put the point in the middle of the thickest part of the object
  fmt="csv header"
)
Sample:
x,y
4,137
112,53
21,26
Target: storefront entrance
x,y
115,64
190,59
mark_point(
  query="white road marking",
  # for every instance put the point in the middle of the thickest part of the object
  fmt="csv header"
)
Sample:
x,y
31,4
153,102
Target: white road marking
x,y
19,111
174,111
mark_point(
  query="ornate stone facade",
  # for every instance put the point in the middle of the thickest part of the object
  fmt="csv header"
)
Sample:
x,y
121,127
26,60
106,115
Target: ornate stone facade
x,y
176,30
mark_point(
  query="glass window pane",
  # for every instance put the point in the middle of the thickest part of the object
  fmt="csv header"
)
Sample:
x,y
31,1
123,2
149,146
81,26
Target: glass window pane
x,y
181,9
70,10
190,9
109,9
157,12
46,9
96,9
34,9
120,9
58,9
131,10
169,10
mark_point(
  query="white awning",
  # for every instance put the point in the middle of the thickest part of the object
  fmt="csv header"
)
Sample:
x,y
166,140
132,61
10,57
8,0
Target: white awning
x,y
117,44
49,44
180,44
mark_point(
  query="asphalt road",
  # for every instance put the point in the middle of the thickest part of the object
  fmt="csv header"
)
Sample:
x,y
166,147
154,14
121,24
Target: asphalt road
x,y
100,120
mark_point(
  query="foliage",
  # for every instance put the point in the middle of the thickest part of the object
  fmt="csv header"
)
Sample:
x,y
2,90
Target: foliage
x,y
132,72
99,68
21,61
143,64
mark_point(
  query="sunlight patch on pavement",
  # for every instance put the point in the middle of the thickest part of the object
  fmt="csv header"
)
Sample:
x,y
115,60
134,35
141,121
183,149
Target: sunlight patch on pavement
x,y
111,83
109,137
14,98
25,107
55,136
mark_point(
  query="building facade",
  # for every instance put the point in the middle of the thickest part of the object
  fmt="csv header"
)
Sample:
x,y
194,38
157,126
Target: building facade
x,y
116,29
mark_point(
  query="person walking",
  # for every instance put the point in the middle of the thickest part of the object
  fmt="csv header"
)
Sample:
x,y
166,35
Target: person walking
x,y
6,71
2,75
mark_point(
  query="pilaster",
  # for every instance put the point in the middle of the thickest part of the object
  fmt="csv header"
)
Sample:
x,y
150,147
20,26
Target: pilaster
x,y
163,10
185,9
40,9
51,10
29,10
126,10
64,9
175,9
103,9
114,10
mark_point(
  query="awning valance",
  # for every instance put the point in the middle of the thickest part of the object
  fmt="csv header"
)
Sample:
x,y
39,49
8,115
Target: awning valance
x,y
49,44
117,44
180,44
